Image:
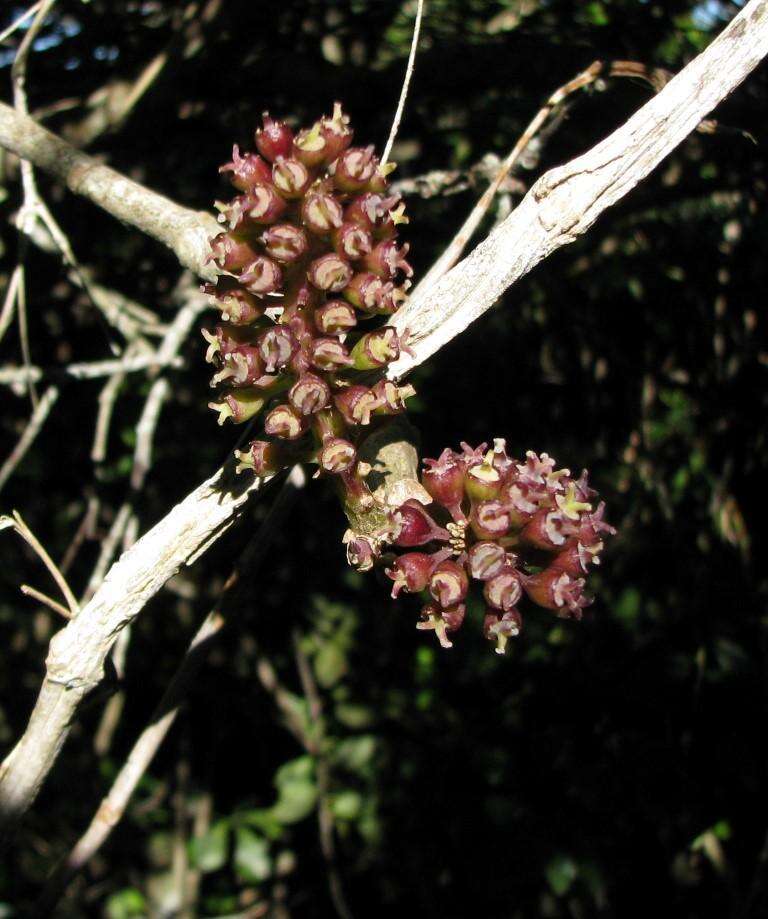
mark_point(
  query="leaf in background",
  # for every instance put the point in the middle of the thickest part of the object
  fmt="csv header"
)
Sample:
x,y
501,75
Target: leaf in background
x,y
209,852
252,856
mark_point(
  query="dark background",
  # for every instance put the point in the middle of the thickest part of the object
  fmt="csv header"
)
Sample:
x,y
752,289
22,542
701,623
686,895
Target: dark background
x,y
613,767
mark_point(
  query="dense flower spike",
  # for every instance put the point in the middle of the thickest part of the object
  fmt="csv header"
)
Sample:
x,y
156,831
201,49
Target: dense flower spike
x,y
524,532
308,258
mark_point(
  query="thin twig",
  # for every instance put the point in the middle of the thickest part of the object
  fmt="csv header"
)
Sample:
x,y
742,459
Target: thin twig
x,y
88,370
57,607
406,83
108,550
31,431
114,804
15,521
20,21
9,301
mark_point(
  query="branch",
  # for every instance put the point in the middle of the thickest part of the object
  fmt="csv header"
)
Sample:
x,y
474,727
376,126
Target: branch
x,y
561,206
567,200
184,231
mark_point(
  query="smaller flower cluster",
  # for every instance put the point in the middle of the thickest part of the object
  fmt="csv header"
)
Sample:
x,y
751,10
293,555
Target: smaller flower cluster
x,y
522,530
309,263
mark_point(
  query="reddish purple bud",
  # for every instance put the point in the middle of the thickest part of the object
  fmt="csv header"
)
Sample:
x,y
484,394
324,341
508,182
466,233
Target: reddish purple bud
x,y
285,422
376,349
503,590
237,305
290,177
385,259
285,242
391,398
241,366
500,628
262,275
554,589
261,204
310,147
309,394
591,526
482,480
274,139
415,527
321,213
442,621
576,558
444,479
335,317
489,519
223,339
276,347
370,210
352,241
337,455
365,291
356,404
410,572
337,133
449,583
240,405
547,530
486,560
231,253
354,169
330,272
362,551
329,354
247,170
262,457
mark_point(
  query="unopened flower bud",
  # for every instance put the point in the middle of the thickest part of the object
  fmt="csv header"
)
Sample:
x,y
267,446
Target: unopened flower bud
x,y
241,366
376,349
414,526
276,346
285,242
240,405
410,572
261,205
237,305
503,590
489,519
285,422
554,589
354,169
246,170
448,583
486,560
310,147
263,457
231,253
483,480
386,258
321,213
335,317
337,455
391,398
330,273
274,139
262,275
330,354
290,177
352,241
337,133
444,479
356,404
546,530
309,394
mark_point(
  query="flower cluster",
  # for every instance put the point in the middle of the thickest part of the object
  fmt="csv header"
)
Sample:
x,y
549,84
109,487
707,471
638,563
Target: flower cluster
x,y
308,264
520,529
